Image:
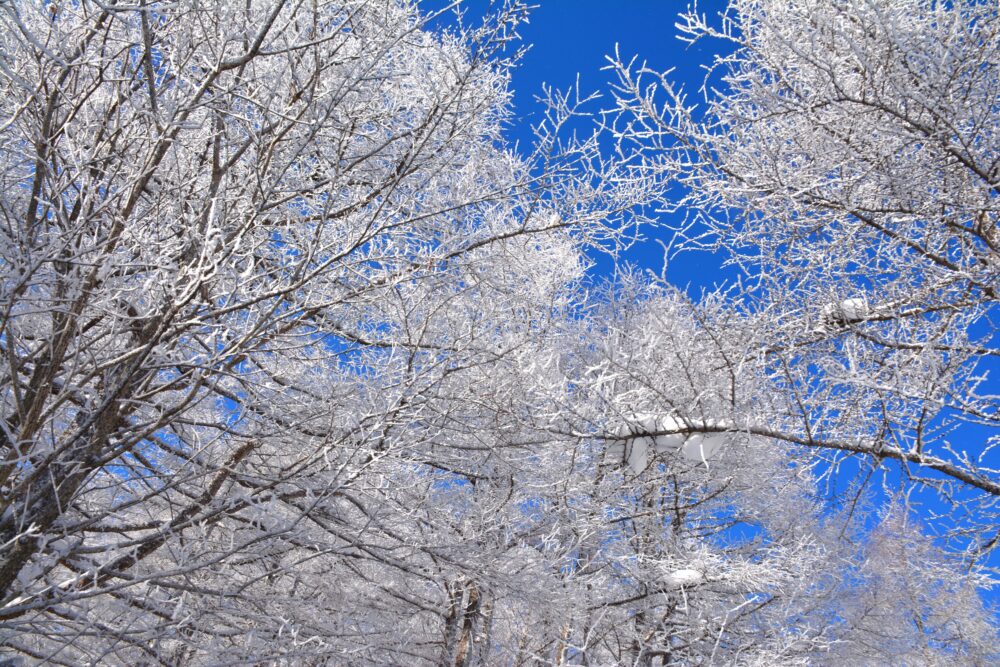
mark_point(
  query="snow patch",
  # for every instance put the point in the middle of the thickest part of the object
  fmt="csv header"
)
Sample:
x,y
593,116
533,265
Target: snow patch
x,y
849,310
681,578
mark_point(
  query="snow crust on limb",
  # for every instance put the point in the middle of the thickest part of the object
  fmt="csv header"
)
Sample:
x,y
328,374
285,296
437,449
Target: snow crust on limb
x,y
847,311
648,434
686,577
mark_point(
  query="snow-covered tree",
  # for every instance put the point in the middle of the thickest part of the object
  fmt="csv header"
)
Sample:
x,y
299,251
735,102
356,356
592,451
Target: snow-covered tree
x,y
732,557
300,366
257,260
847,158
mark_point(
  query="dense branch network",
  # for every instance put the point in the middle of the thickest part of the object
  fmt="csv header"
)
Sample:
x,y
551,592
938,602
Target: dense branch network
x,y
301,363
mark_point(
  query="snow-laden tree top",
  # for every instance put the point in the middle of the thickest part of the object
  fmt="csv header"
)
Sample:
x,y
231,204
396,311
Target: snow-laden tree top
x,y
300,362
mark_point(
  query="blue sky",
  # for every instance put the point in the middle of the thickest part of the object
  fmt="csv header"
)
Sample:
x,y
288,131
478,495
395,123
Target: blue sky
x,y
572,37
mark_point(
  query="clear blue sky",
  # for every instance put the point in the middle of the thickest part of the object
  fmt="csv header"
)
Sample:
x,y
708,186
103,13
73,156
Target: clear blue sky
x,y
572,37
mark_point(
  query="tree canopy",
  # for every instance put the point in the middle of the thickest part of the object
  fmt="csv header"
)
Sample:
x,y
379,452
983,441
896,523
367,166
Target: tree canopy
x,y
303,361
